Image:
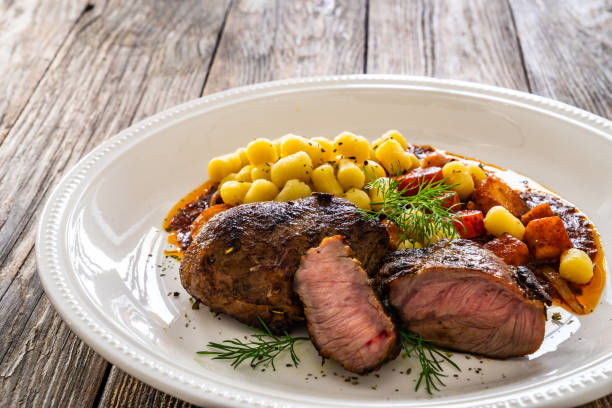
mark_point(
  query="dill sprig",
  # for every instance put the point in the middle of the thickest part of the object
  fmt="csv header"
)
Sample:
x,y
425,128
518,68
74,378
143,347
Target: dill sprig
x,y
421,217
430,357
261,349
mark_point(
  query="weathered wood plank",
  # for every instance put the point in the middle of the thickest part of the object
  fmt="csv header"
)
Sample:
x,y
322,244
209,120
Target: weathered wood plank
x,y
31,32
567,49
122,60
264,41
123,390
469,40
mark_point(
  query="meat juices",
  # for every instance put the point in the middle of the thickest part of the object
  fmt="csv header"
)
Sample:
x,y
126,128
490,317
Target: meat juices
x,y
463,297
242,261
345,319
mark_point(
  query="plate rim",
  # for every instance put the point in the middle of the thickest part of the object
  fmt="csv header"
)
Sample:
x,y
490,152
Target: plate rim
x,y
579,387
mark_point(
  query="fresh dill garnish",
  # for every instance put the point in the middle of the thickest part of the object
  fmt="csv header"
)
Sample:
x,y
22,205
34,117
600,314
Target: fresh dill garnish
x,y
421,217
260,349
430,357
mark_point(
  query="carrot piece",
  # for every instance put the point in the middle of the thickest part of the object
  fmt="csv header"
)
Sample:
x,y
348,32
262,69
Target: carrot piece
x,y
435,159
492,192
473,224
547,238
539,211
450,200
511,250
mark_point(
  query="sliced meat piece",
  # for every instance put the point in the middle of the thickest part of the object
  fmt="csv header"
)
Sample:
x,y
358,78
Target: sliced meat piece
x,y
242,261
345,319
464,297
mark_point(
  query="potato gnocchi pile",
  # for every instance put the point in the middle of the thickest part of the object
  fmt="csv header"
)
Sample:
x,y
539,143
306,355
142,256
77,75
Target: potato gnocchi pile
x,y
293,166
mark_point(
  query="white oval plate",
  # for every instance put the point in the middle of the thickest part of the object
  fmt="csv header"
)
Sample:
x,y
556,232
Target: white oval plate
x,y
100,244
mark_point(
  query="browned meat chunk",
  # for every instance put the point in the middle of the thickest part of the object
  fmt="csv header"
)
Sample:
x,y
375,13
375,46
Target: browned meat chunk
x,y
547,238
492,191
345,319
242,261
511,250
539,211
463,297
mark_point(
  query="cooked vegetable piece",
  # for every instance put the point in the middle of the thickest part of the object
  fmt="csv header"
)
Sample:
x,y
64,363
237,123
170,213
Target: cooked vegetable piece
x,y
358,197
547,238
350,175
394,159
293,190
221,166
351,146
492,192
576,266
325,181
477,173
233,192
539,211
562,288
410,182
450,200
457,173
436,159
261,150
511,250
261,190
295,166
473,224
499,220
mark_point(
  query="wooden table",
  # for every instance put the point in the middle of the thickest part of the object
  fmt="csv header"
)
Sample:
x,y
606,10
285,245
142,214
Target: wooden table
x,y
75,72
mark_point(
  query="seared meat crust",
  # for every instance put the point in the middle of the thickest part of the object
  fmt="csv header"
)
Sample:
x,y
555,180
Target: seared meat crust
x,y
243,260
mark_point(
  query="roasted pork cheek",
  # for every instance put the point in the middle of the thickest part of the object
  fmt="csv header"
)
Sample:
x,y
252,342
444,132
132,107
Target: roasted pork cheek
x,y
243,260
345,319
464,297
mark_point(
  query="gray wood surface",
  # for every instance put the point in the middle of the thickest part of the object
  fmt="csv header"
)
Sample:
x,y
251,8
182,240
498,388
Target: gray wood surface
x,y
80,71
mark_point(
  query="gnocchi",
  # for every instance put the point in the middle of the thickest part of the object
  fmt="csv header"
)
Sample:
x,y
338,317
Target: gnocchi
x,y
358,197
576,266
261,190
351,146
325,181
233,192
499,220
296,166
261,150
350,175
293,190
394,159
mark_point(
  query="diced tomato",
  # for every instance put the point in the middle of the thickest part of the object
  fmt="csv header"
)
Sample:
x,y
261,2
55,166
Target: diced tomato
x,y
473,221
410,182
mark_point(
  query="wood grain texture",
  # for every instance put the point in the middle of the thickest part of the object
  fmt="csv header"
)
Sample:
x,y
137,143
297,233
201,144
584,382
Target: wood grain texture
x,y
459,39
568,50
123,390
268,40
121,61
31,32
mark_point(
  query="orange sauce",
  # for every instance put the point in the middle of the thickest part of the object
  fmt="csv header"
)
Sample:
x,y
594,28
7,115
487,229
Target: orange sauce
x,y
191,197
